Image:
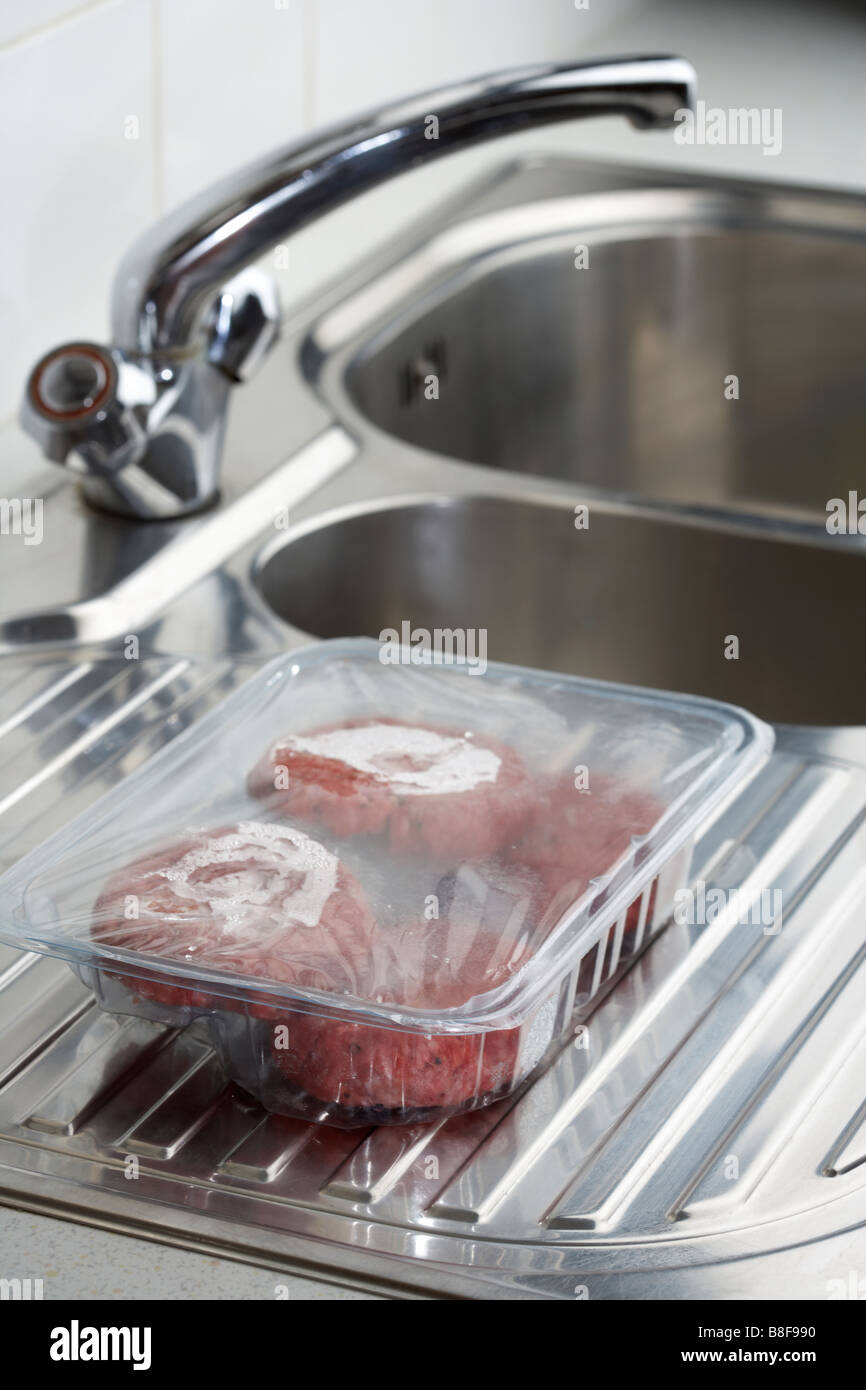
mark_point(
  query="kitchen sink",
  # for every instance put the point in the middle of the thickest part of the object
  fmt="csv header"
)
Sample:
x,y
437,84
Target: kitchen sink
x,y
633,598
354,500
620,374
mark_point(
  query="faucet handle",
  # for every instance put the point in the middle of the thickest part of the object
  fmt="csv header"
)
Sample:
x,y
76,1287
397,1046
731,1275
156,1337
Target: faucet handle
x,y
81,399
245,324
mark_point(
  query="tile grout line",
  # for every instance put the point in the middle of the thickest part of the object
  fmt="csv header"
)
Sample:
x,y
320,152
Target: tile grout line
x,y
309,46
157,143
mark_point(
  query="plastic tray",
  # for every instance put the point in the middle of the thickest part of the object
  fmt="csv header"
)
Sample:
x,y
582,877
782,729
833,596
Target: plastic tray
x,y
372,947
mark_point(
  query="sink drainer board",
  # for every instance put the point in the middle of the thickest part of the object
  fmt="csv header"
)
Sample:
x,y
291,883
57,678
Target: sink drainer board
x,y
710,1121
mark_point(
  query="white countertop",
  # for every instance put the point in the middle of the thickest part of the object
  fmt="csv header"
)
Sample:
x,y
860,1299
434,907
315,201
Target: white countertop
x,y
81,1262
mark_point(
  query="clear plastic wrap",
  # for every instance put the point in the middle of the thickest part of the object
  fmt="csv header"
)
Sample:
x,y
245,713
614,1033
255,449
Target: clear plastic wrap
x,y
387,887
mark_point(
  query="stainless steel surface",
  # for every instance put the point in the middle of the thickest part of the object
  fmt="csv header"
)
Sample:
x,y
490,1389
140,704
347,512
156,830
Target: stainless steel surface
x,y
616,1171
139,597
188,318
612,1172
635,598
617,375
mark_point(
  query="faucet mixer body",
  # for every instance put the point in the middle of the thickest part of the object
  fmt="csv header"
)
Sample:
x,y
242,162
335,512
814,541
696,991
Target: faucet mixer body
x,y
142,421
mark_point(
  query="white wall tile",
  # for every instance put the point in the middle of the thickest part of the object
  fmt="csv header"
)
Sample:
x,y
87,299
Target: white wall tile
x,y
367,53
806,60
21,17
231,84
75,189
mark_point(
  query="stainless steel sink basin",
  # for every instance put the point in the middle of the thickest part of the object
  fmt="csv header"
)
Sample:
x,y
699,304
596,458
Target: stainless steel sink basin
x,y
615,374
634,598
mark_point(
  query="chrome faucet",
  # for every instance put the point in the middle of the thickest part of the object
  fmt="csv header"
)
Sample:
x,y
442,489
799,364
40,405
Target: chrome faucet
x,y
142,421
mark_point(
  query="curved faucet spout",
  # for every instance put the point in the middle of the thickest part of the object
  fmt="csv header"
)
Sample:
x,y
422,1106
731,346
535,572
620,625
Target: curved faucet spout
x,y
168,279
142,420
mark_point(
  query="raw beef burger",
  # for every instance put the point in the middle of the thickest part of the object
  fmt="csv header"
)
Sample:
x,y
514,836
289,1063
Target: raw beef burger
x,y
376,1073
438,792
254,899
576,836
